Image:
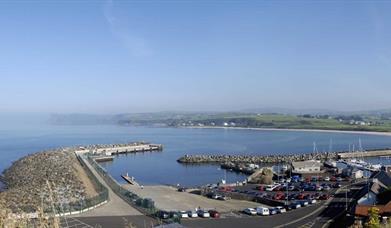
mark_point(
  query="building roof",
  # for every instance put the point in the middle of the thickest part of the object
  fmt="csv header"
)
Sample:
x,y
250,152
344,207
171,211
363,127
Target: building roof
x,y
305,164
362,210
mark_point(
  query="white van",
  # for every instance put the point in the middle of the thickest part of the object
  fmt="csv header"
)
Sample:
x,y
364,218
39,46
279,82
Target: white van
x,y
263,211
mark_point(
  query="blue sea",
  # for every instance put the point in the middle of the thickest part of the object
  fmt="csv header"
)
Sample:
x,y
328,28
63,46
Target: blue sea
x,y
18,140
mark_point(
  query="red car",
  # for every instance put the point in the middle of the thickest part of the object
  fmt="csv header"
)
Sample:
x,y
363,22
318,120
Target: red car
x,y
214,214
260,188
301,196
333,179
324,197
279,196
278,188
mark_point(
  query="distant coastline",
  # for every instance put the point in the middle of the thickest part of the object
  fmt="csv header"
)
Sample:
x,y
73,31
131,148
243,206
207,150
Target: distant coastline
x,y
378,133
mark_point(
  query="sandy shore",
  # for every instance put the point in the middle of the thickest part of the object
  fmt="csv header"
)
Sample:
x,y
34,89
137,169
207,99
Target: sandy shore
x,y
297,130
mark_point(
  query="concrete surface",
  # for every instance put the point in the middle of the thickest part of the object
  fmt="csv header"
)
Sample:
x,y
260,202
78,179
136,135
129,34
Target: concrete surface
x,y
168,198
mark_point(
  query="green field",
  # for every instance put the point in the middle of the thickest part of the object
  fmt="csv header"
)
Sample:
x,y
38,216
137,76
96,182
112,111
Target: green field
x,y
289,122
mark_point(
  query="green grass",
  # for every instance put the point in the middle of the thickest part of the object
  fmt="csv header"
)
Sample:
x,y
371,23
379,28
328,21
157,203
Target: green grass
x,y
291,122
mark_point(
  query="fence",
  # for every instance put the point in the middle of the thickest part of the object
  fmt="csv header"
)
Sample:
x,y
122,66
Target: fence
x,y
82,204
144,205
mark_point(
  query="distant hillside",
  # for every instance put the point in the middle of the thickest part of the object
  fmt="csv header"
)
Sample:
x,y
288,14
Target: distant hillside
x,y
82,119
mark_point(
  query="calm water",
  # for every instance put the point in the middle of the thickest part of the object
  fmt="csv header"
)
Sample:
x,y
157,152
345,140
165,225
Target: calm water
x,y
161,167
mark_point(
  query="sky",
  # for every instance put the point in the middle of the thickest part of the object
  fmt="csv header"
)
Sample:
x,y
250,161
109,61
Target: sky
x,y
146,56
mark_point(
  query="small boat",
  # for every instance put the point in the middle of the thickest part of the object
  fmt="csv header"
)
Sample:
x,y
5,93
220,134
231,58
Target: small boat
x,y
330,164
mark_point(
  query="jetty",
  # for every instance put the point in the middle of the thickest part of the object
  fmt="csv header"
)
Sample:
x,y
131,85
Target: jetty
x,y
103,158
129,179
360,154
114,149
280,158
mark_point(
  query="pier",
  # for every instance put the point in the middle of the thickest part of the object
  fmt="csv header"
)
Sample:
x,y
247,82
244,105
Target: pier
x,y
279,158
360,154
104,158
129,179
120,148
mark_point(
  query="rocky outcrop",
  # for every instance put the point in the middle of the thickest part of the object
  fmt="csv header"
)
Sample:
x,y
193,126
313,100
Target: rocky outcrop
x,y
257,159
41,180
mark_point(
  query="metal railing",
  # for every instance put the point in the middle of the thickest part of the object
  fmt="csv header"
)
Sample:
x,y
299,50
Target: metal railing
x,y
81,203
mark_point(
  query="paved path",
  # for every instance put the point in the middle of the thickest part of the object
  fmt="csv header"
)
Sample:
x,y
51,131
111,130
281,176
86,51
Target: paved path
x,y
115,207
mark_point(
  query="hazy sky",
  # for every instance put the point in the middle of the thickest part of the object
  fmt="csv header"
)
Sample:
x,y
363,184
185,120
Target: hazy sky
x,y
136,56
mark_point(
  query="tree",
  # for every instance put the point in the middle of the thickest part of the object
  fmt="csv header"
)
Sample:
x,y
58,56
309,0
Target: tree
x,y
373,219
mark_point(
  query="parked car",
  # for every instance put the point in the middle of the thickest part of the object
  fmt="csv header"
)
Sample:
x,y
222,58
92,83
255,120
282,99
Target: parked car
x,y
312,201
327,178
333,179
319,188
339,179
280,209
183,214
260,188
324,197
182,189
295,205
279,196
174,214
223,198
326,188
163,214
273,211
203,214
262,211
301,196
250,211
270,188
214,214
337,185
303,203
192,214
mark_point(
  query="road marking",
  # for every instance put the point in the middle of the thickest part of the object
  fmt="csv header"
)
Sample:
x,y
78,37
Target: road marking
x,y
73,223
310,214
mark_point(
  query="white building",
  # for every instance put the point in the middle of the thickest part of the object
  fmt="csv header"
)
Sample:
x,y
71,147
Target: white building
x,y
306,166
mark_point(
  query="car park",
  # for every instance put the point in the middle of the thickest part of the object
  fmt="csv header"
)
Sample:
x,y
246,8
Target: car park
x,y
250,211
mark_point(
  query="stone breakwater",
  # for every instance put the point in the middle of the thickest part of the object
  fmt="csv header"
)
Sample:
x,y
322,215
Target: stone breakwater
x,y
44,179
257,159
